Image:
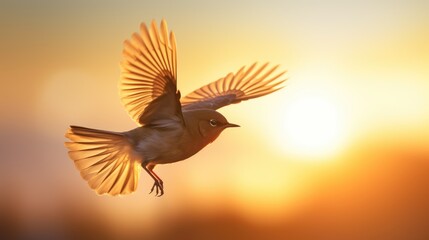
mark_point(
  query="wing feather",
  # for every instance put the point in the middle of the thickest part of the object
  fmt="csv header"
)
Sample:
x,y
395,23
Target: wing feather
x,y
149,73
246,83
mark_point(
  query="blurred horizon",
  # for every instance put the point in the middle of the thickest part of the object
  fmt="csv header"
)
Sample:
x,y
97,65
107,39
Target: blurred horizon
x,y
341,152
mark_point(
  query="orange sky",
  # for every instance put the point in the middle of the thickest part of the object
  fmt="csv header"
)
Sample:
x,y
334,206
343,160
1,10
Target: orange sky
x,y
363,66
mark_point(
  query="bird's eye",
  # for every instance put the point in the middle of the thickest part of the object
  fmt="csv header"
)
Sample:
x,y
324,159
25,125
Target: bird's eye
x,y
213,123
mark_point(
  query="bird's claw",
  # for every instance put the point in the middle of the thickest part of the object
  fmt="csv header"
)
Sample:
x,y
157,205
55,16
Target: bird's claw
x,y
158,186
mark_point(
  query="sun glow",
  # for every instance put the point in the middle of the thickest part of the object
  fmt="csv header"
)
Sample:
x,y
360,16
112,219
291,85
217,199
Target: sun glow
x,y
312,126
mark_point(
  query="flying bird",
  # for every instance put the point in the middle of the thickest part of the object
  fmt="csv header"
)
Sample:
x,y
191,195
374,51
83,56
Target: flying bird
x,y
170,128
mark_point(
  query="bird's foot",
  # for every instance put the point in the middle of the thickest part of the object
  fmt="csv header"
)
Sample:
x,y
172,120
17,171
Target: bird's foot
x,y
158,186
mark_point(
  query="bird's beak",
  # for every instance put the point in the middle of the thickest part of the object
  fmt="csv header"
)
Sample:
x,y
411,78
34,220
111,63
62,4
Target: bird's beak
x,y
231,125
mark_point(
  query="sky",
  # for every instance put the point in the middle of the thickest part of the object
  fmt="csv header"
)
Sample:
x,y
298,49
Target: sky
x,y
342,147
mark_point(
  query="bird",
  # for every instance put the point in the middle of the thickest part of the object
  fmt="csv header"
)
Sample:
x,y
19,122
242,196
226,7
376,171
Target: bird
x,y
170,128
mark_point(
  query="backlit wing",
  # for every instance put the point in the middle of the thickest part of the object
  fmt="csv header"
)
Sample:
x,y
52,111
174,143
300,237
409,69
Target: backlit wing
x,y
148,80
246,83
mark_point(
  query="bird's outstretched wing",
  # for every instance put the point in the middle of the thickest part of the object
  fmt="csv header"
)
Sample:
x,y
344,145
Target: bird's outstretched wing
x,y
148,80
246,83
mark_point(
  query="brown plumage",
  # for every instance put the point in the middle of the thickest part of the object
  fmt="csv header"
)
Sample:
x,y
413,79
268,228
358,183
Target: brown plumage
x,y
171,128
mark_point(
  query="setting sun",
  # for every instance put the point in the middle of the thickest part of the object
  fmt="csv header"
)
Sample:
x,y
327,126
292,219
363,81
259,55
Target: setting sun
x,y
312,126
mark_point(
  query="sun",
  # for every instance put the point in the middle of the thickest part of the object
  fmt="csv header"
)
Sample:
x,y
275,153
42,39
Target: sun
x,y
312,126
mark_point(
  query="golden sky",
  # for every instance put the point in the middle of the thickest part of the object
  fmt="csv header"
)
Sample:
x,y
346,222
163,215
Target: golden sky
x,y
352,120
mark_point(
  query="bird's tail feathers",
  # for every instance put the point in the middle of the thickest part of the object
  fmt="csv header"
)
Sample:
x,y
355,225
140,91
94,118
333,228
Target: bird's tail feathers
x,y
104,159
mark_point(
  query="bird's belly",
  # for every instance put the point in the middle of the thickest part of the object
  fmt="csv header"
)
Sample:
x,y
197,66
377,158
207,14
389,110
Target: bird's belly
x,y
177,153
160,149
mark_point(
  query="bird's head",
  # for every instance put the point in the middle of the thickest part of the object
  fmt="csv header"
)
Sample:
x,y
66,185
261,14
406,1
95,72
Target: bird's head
x,y
211,124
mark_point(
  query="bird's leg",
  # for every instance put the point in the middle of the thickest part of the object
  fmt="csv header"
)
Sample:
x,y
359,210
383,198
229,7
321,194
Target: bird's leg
x,y
151,167
158,184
